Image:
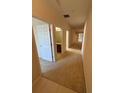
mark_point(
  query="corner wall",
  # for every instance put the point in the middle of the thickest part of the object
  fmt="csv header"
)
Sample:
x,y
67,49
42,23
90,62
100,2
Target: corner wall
x,y
87,53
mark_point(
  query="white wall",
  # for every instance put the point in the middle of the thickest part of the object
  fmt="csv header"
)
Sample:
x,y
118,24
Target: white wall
x,y
87,53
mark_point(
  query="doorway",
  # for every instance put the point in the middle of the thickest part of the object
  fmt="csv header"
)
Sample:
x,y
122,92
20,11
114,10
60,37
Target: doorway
x,y
59,41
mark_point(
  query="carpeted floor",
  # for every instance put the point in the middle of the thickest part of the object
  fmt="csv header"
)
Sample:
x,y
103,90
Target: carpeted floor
x,y
68,71
76,46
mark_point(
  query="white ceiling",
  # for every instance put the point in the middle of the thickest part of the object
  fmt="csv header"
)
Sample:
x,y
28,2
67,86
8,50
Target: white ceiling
x,y
77,9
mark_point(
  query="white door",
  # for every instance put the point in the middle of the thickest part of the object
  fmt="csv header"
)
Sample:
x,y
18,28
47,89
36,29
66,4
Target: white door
x,y
44,41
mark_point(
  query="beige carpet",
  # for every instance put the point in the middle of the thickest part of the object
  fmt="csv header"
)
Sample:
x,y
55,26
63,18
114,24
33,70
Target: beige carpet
x,y
76,46
68,71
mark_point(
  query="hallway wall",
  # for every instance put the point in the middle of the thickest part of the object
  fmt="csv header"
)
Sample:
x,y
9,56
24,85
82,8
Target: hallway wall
x,y
87,53
74,37
36,71
64,41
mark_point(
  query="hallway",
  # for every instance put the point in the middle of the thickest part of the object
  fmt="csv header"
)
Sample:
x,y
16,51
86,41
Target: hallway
x,y
67,71
76,46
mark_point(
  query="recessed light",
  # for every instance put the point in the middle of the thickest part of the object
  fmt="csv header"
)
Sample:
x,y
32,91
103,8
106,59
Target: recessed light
x,y
66,16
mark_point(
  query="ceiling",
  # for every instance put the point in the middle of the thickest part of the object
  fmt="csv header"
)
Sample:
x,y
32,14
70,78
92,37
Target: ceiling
x,y
77,9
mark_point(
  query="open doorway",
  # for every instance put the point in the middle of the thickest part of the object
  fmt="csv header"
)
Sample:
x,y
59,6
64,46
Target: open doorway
x,y
59,41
